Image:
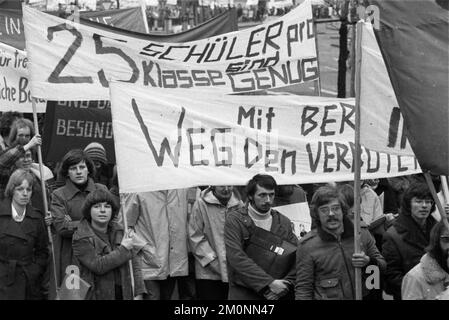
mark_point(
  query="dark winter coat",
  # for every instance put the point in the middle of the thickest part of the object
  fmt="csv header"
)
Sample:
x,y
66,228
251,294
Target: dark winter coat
x,y
403,246
324,268
247,280
23,254
68,200
98,261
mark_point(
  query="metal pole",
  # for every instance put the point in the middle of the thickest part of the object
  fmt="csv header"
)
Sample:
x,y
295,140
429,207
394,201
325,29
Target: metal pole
x,y
352,63
44,195
317,82
357,161
143,6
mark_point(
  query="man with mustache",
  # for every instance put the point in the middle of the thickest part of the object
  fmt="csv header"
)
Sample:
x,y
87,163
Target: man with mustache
x,y
260,246
325,257
206,239
430,277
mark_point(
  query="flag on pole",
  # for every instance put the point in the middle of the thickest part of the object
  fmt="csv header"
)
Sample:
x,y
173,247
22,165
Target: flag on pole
x,y
413,39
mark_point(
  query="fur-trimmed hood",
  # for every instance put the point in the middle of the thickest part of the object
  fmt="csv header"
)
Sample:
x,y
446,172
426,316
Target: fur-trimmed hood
x,y
432,271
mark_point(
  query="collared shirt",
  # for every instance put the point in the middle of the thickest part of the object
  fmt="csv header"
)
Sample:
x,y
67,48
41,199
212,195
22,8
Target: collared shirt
x,y
17,217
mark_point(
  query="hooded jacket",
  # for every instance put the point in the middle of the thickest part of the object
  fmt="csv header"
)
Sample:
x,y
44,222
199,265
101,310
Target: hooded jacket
x,y
324,268
160,219
425,281
403,246
206,235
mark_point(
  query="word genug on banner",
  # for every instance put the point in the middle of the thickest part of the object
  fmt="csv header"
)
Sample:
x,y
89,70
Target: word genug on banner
x,y
219,147
255,66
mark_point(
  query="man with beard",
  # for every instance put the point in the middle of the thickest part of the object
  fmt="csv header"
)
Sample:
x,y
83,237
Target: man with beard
x,y
206,239
325,257
260,246
430,277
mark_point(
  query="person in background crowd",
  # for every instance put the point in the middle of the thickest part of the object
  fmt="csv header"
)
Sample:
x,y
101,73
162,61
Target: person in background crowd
x,y
405,241
321,273
101,251
370,207
23,241
6,121
288,194
25,162
160,219
249,279
430,277
97,154
22,130
206,235
20,141
67,203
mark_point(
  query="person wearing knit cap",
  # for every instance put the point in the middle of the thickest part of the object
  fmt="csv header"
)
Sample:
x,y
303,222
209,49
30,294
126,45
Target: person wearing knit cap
x,y
97,153
250,274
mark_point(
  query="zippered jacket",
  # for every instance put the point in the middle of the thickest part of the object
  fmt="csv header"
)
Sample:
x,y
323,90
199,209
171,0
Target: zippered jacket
x,y
324,268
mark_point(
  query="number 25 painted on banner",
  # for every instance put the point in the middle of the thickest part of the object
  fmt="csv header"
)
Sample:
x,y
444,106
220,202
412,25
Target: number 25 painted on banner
x,y
55,76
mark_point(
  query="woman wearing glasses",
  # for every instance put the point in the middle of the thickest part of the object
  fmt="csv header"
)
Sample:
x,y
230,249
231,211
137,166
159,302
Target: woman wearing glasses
x,y
430,278
405,241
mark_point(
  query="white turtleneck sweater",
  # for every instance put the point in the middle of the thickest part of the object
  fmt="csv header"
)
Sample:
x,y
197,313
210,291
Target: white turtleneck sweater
x,y
262,220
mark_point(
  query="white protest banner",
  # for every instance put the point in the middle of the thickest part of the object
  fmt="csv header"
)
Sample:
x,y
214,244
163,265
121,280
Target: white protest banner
x,y
14,82
299,214
381,123
166,139
75,62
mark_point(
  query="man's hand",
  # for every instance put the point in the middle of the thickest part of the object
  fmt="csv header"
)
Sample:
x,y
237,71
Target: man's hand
x,y
359,260
48,219
279,287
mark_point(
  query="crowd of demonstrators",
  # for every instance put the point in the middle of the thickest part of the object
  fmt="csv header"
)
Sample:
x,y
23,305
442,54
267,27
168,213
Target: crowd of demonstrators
x,y
211,242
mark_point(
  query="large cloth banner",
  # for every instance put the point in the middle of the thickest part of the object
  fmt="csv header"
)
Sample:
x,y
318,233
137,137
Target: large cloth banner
x,y
11,28
74,62
381,122
73,125
128,19
167,139
14,82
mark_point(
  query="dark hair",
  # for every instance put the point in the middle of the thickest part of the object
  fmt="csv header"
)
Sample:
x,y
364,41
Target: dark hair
x,y
419,190
73,157
434,248
6,121
263,180
18,124
347,192
97,196
16,179
323,196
